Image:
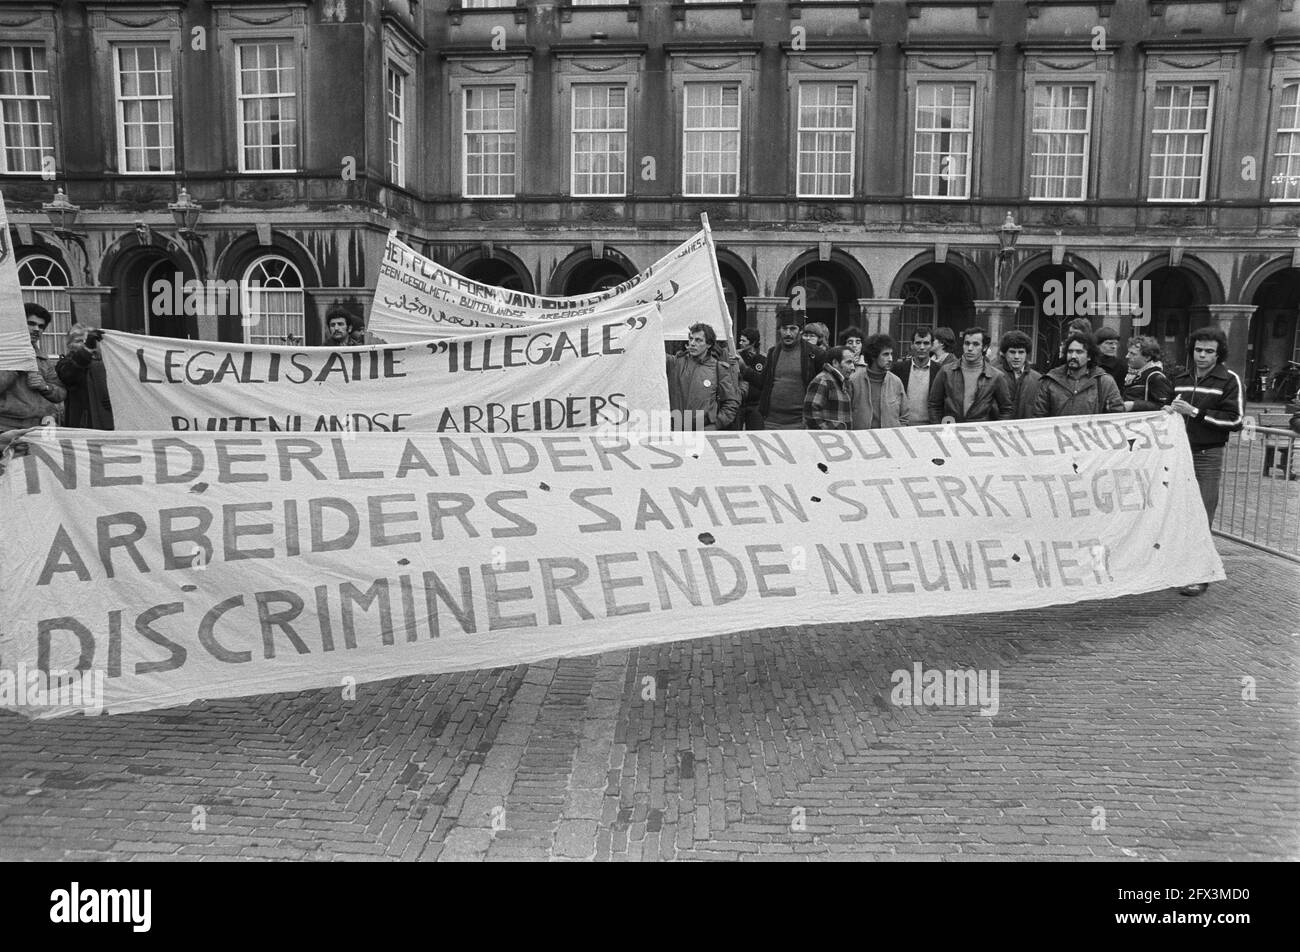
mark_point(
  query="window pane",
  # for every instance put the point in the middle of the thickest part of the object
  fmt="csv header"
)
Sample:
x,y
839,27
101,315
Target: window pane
x,y
1286,152
942,142
1180,141
26,110
711,139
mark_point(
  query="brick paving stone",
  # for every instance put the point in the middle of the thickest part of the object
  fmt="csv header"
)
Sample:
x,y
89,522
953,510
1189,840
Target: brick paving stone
x,y
1133,705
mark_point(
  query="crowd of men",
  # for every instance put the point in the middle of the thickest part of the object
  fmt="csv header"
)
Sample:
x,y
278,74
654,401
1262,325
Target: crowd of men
x,y
802,384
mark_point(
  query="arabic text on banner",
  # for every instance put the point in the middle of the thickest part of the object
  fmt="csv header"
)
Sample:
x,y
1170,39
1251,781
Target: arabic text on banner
x,y
416,298
207,565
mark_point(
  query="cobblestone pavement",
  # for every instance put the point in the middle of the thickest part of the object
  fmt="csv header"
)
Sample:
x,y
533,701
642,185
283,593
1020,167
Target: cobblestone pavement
x,y
1122,734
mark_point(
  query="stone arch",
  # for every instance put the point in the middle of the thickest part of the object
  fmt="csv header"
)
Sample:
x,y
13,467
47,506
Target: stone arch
x,y
581,262
1208,277
1043,259
237,255
976,281
475,258
1260,275
851,265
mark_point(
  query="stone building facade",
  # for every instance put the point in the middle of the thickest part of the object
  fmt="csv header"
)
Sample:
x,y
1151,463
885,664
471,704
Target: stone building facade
x,y
856,158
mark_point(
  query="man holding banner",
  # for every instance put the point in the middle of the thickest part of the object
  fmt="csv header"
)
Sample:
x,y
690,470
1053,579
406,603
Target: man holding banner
x,y
702,390
28,398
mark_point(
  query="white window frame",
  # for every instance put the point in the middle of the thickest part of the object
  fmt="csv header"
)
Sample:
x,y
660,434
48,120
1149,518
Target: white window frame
x,y
395,146
832,131
739,130
1056,63
45,107
1285,164
574,132
727,65
973,64
251,298
969,131
1207,133
466,132
908,327
1085,134
470,70
279,42
167,109
51,295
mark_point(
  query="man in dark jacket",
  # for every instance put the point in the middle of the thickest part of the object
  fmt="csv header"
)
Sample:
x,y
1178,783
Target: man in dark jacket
x,y
1108,358
82,371
970,389
788,370
1080,387
703,392
1209,397
917,373
1021,378
28,397
750,367
1149,388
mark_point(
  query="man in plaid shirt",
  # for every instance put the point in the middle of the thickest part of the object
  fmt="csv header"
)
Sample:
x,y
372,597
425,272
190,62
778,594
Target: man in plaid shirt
x,y
828,405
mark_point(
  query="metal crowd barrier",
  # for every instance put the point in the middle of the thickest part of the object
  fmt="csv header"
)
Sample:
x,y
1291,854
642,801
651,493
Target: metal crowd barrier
x,y
1259,497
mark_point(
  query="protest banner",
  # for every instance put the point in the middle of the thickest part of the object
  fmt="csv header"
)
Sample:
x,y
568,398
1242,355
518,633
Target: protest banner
x,y
581,373
416,298
15,343
188,566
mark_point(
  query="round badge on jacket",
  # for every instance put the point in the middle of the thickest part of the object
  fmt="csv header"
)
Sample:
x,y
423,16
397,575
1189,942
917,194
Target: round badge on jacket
x,y
708,383
758,367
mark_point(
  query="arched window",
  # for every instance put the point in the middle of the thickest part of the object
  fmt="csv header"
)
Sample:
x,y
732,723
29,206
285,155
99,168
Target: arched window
x,y
272,302
44,282
920,309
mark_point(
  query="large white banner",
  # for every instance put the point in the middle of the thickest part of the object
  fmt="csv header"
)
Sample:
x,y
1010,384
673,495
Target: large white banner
x,y
170,567
581,373
15,343
416,298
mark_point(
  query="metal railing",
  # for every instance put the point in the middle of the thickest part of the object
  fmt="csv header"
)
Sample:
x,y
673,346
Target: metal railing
x,y
1259,497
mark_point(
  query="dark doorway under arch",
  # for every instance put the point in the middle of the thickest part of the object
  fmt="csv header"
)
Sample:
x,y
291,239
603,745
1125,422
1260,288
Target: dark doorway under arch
x,y
595,274
1275,325
829,294
936,295
496,272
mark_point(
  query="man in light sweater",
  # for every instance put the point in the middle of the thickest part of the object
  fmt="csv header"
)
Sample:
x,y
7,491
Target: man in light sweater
x,y
878,398
917,374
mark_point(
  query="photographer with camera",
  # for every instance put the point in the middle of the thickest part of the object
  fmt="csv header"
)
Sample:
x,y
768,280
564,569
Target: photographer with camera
x,y
82,372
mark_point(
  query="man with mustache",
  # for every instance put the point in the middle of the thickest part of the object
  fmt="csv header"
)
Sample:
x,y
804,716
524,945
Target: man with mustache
x,y
1080,386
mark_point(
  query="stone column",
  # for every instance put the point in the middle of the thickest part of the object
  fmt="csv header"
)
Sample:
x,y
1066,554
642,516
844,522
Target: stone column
x,y
1234,321
997,317
880,315
91,305
761,312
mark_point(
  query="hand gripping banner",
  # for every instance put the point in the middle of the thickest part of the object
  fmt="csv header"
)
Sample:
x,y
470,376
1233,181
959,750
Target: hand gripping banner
x,y
172,567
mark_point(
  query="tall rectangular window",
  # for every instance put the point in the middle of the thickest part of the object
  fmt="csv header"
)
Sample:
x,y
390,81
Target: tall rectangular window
x,y
395,108
26,109
268,107
711,140
490,141
599,140
945,117
1286,153
144,109
1180,141
826,139
1062,136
